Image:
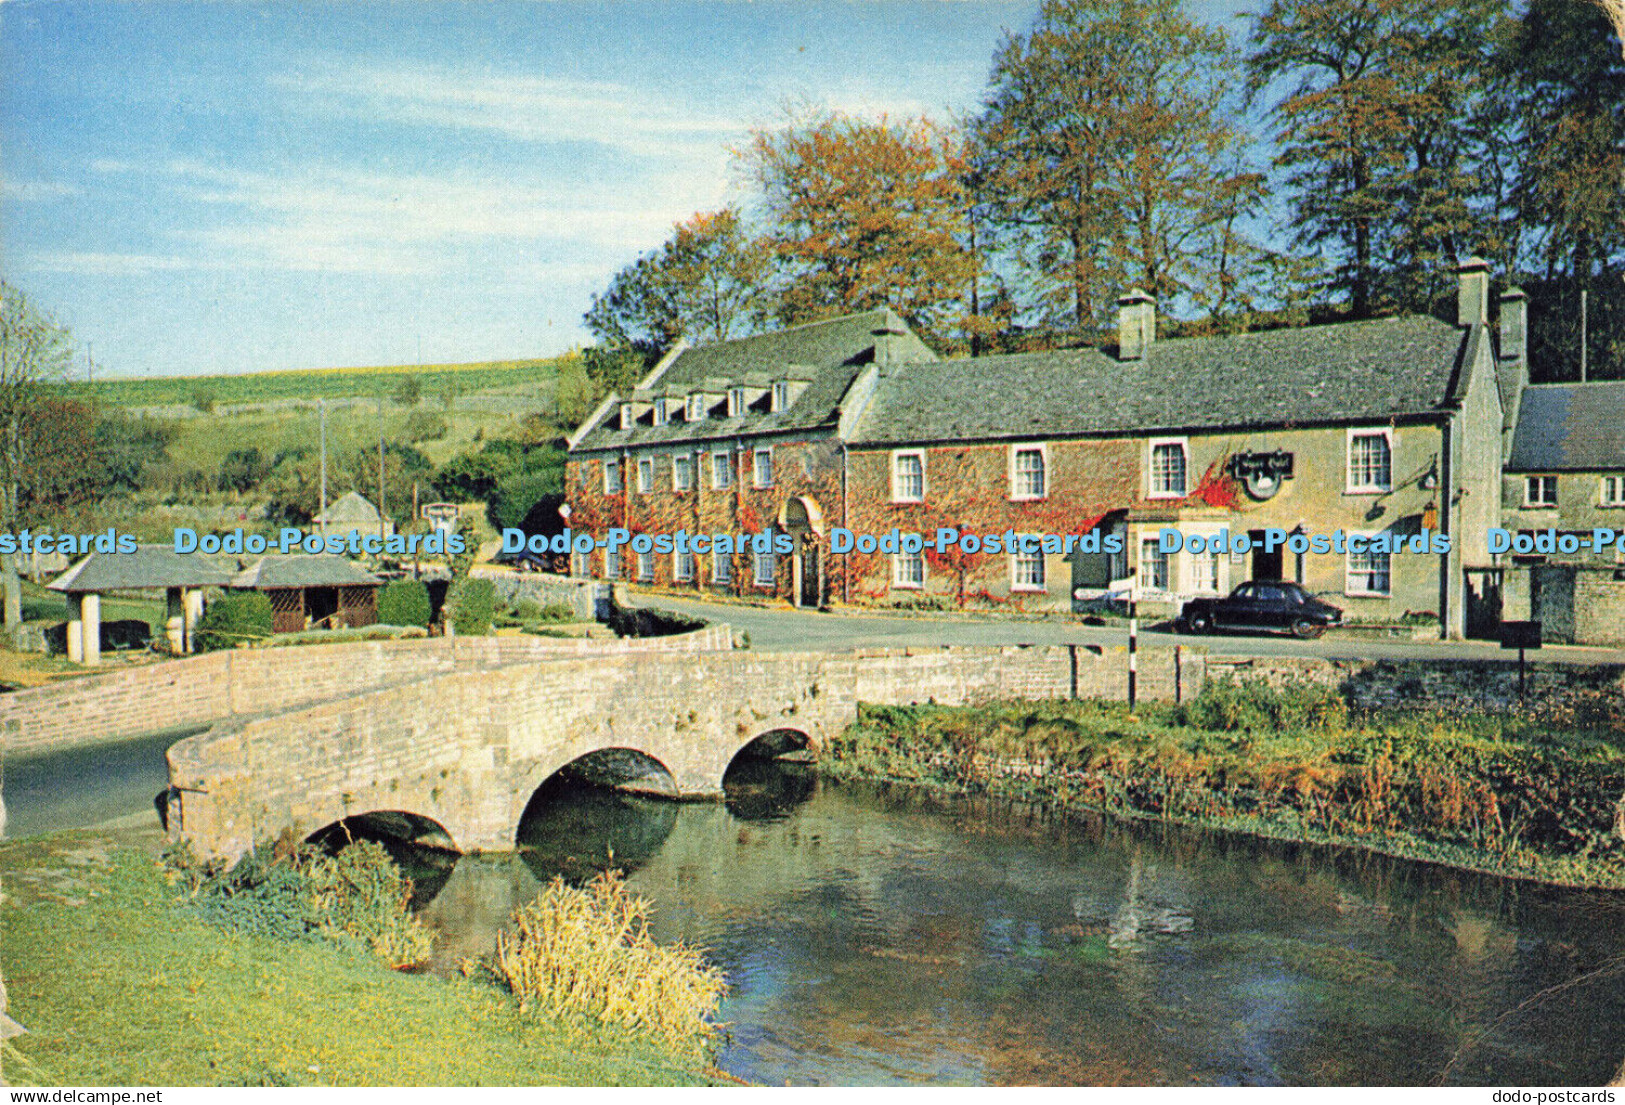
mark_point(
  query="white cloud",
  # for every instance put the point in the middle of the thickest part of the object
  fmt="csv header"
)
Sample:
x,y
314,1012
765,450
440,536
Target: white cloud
x,y
522,108
106,264
346,220
34,191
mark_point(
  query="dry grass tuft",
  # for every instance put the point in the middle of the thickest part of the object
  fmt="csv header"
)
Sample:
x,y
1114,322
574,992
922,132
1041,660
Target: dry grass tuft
x,y
587,952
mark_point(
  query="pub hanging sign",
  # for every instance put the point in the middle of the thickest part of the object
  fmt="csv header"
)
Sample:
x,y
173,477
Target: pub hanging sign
x,y
1261,473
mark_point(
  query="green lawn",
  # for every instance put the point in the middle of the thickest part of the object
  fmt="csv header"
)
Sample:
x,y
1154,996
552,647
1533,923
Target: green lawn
x,y
117,988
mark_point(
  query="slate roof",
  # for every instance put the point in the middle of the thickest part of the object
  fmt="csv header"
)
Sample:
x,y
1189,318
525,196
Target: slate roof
x,y
1369,371
321,570
829,355
351,508
1570,427
148,567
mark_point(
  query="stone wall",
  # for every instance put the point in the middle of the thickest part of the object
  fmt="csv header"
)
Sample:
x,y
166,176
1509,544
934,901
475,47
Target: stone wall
x,y
591,600
1579,604
196,691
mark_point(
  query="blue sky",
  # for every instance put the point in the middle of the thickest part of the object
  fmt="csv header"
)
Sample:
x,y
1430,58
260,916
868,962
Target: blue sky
x,y
228,187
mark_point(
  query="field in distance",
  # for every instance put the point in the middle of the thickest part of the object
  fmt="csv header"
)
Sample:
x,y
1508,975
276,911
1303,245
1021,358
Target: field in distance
x,y
433,382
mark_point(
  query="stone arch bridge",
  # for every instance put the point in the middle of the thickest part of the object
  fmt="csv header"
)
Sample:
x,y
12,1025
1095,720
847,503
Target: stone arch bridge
x,y
467,750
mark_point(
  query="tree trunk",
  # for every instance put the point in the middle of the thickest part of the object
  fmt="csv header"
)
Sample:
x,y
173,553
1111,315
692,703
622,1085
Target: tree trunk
x,y
1619,1079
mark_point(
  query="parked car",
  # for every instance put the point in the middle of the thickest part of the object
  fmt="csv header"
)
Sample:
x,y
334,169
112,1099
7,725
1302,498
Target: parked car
x,y
1269,605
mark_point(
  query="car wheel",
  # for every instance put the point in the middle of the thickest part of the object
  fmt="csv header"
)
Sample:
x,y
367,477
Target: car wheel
x,y
1306,629
1198,623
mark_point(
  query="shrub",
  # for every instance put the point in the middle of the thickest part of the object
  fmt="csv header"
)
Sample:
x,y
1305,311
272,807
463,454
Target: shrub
x,y
301,892
422,425
404,602
235,617
472,604
587,952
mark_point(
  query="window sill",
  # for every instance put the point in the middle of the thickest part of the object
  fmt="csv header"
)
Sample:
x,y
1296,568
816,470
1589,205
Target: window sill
x,y
1368,490
1028,498
1028,589
1166,494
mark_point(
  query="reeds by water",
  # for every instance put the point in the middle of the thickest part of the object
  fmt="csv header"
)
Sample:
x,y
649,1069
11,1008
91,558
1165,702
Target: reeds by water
x,y
587,952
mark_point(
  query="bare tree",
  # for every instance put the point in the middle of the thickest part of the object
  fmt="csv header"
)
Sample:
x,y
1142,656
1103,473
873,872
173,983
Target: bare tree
x,y
35,352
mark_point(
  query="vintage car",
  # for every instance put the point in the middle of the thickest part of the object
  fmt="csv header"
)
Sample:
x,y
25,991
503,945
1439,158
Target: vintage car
x,y
1264,605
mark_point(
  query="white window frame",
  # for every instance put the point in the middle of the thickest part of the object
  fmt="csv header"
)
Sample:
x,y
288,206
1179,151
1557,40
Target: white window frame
x,y
628,418
682,462
1183,444
722,470
661,413
682,566
1530,501
1017,496
1036,558
1203,582
1352,488
736,402
722,568
696,409
612,562
1349,573
646,567
612,467
1151,555
759,560
756,467
908,570
897,455
1617,497
581,564
781,396
646,475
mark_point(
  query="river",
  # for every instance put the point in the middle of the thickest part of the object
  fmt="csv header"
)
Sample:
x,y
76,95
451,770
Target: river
x,y
877,935
884,935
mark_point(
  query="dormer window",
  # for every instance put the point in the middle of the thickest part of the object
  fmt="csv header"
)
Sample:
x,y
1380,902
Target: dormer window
x,y
696,408
781,396
629,417
736,402
660,412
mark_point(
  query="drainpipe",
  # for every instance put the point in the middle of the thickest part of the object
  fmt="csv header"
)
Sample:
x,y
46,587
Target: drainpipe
x,y
1447,525
846,524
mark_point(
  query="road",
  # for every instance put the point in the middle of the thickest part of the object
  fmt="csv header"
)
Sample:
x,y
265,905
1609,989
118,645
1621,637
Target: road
x,y
782,628
91,786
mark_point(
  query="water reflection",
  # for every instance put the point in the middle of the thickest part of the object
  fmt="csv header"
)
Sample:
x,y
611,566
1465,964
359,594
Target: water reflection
x,y
875,935
575,831
766,790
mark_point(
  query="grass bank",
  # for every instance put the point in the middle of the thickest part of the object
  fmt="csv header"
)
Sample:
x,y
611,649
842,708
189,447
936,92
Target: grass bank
x,y
1525,795
119,986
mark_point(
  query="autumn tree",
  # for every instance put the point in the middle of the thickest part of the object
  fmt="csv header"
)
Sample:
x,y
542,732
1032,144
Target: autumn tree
x,y
35,352
1377,136
862,214
1106,156
704,284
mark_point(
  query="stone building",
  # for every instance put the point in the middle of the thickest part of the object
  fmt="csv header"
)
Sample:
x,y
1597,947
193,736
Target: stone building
x,y
1383,428
1564,480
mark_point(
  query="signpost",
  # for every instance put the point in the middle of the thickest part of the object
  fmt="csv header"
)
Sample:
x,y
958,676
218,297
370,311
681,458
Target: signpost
x,y
1521,636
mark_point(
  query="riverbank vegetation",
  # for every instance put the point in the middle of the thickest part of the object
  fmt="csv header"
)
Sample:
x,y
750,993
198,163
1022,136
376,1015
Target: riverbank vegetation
x,y
114,968
586,952
1522,794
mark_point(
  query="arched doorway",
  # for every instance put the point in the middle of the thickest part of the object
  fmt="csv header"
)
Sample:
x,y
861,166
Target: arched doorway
x,y
803,519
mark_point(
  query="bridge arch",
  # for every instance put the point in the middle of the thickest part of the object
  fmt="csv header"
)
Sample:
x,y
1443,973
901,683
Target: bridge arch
x,y
612,807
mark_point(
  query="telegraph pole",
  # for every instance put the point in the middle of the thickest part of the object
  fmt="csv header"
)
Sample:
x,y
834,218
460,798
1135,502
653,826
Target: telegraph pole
x,y
321,407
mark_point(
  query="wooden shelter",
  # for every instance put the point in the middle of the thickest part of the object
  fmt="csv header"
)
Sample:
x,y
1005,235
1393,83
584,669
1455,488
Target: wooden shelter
x,y
320,591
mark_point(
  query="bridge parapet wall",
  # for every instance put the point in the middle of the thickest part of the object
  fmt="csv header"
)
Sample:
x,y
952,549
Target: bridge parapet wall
x,y
177,694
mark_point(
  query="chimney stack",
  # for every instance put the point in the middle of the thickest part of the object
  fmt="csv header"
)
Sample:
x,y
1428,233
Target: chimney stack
x,y
1136,324
889,339
1473,293
1514,324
